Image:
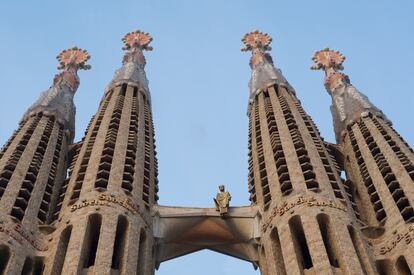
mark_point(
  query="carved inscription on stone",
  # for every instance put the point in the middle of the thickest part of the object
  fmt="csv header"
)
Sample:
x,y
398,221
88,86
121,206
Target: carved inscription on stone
x,y
306,201
407,236
104,199
16,232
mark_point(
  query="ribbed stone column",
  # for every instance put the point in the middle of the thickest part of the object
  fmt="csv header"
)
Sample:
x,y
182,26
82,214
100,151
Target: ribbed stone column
x,y
379,165
293,177
113,180
32,169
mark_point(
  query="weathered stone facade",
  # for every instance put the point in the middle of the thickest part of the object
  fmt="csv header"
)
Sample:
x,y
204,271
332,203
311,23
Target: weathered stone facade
x,y
379,166
91,207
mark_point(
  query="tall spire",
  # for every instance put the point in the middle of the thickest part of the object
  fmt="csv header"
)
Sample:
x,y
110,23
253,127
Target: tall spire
x,y
132,71
348,104
58,99
264,73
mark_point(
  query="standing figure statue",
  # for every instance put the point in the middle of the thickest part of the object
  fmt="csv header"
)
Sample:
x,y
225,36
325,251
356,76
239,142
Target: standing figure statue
x,y
222,201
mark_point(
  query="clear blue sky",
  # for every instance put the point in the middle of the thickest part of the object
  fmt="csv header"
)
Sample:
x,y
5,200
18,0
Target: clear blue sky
x,y
198,77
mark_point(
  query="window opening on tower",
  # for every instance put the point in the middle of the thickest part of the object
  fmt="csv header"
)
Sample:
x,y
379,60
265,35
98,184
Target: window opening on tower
x,y
93,230
120,243
328,239
300,244
141,252
402,266
4,258
62,248
358,246
277,252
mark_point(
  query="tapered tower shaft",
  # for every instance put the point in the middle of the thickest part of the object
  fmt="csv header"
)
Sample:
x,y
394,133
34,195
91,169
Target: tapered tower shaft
x,y
32,168
379,166
307,220
105,204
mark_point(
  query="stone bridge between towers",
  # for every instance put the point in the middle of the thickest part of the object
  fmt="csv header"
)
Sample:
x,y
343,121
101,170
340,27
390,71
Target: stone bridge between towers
x,y
179,231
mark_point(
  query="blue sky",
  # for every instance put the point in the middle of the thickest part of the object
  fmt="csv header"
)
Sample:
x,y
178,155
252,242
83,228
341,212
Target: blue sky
x,y
198,77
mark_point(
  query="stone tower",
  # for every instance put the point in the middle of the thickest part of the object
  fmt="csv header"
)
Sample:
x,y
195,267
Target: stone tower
x,y
91,207
33,167
379,165
104,225
97,220
308,224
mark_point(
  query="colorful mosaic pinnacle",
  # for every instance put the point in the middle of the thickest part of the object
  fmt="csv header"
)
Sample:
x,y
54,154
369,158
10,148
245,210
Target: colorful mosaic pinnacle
x,y
326,59
256,40
331,62
73,58
137,39
133,62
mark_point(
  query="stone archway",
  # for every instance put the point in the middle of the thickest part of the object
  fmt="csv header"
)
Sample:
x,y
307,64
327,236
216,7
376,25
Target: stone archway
x,y
179,231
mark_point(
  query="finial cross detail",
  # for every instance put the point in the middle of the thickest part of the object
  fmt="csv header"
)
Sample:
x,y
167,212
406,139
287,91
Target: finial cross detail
x,y
328,60
73,59
256,40
137,39
331,62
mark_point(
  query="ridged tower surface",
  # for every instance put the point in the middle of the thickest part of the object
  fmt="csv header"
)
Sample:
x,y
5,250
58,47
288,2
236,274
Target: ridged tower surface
x,y
97,220
32,170
308,223
379,165
103,224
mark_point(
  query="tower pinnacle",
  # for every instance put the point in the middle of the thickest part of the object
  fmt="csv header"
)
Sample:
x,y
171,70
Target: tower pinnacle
x,y
264,73
133,64
58,99
137,39
348,104
73,58
256,41
331,62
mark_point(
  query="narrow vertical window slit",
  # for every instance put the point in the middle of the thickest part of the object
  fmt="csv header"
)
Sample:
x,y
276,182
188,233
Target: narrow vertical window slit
x,y
402,266
277,252
93,230
142,252
61,250
266,195
130,159
328,239
119,251
86,156
402,202
376,204
4,259
300,243
11,164
104,169
30,179
300,148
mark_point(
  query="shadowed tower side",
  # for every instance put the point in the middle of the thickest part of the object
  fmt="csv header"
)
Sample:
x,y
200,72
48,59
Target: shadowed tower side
x,y
104,222
294,179
379,165
32,168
